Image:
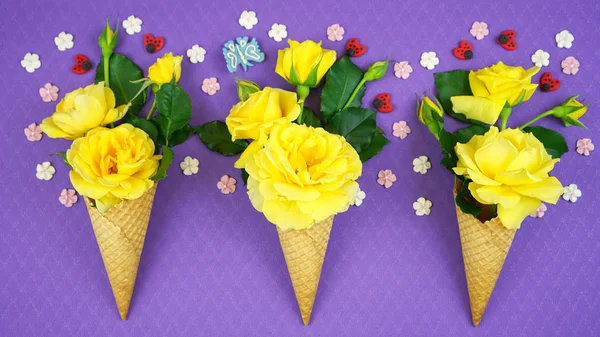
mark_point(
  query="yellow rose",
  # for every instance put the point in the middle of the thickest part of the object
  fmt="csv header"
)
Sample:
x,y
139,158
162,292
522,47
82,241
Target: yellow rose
x,y
304,63
261,111
110,165
492,88
509,168
82,110
165,69
301,175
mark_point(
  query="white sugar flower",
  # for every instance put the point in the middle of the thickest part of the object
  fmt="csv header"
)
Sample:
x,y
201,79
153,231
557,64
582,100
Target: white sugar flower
x,y
196,54
132,25
45,171
540,58
564,39
248,19
189,166
63,41
421,164
31,62
571,193
422,206
360,196
278,32
429,60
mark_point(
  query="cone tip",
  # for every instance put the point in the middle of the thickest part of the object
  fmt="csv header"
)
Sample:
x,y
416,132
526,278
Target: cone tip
x,y
476,321
306,319
123,315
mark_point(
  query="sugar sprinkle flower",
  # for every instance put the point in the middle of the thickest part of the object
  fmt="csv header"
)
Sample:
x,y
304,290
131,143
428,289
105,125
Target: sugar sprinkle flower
x,y
132,25
479,30
189,166
33,132
386,178
422,206
570,65
540,211
68,197
196,54
210,86
49,93
571,193
564,39
45,171
402,69
278,32
227,184
429,60
63,41
585,146
248,19
31,62
540,58
401,129
360,196
335,32
421,164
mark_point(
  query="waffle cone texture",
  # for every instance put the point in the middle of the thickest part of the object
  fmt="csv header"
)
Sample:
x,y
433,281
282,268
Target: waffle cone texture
x,y
484,247
120,233
304,252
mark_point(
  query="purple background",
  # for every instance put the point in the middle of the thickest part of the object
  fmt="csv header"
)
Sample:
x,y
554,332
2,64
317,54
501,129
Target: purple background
x,y
212,266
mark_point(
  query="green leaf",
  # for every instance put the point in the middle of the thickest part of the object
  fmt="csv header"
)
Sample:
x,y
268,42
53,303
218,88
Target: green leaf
x,y
181,135
174,109
310,118
454,83
144,124
447,142
377,144
464,135
342,79
165,162
357,125
245,176
122,72
216,137
465,206
62,155
553,141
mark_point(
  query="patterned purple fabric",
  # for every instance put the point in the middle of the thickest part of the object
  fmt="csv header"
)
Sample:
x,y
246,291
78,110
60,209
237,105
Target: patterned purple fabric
x,y
212,265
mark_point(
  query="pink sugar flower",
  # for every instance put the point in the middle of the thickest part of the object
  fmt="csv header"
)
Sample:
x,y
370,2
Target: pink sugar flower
x,y
479,30
211,86
570,65
386,178
401,129
227,184
584,146
335,32
49,93
540,211
402,70
68,197
33,132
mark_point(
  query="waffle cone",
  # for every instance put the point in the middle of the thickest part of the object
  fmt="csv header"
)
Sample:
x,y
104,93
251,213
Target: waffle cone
x,y
304,252
484,247
120,233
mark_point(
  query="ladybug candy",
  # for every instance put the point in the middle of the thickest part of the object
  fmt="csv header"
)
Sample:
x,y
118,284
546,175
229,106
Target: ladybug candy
x,y
507,40
82,64
547,83
382,103
464,50
153,44
354,48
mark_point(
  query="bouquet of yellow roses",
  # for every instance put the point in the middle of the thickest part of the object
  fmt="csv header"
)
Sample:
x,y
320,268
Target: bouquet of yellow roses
x,y
301,167
502,175
116,168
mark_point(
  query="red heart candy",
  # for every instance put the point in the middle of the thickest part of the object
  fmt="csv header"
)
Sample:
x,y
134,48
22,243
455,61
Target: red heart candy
x,y
153,44
464,51
82,64
354,48
547,83
507,40
382,103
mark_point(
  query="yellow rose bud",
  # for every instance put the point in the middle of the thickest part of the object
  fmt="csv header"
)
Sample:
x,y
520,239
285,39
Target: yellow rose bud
x,y
165,69
304,64
511,169
110,165
301,175
245,88
82,110
579,112
427,110
108,39
261,111
492,89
